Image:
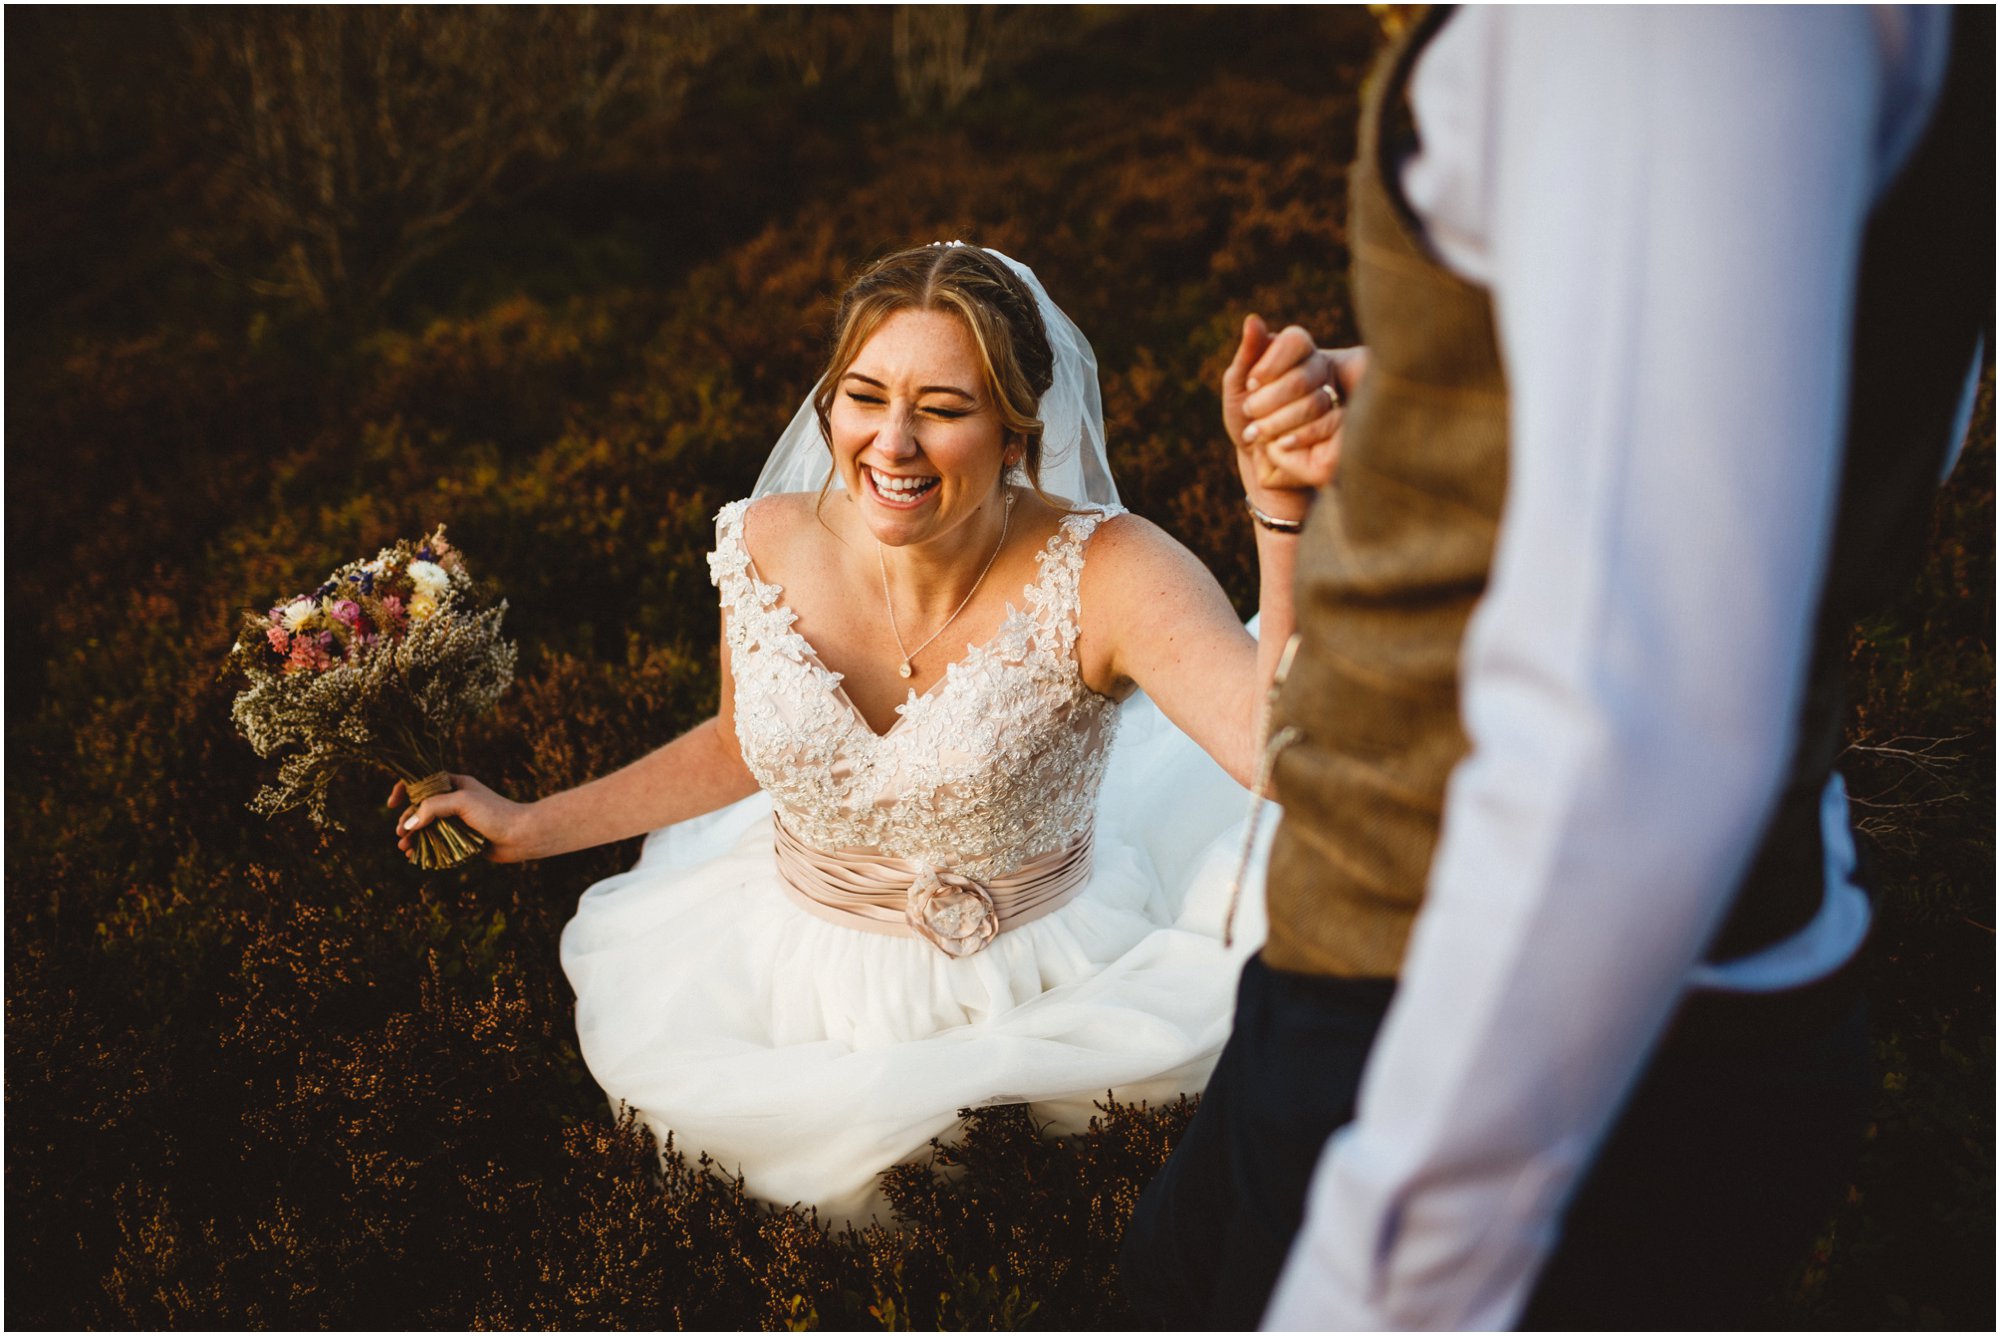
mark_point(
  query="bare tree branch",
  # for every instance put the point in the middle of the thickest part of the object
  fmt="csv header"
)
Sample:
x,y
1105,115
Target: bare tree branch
x,y
354,138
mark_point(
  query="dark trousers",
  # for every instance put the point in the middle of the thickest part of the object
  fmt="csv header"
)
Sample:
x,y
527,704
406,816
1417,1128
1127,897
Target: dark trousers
x,y
1712,1183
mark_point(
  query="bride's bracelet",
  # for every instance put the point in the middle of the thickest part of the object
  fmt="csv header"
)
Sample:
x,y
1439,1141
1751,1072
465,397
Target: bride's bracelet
x,y
1272,522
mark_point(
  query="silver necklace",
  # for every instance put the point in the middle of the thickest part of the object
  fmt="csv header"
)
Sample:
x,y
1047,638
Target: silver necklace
x,y
883,566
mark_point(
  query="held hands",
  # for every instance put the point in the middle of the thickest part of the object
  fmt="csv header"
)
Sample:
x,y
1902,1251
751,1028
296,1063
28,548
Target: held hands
x,y
504,823
1283,404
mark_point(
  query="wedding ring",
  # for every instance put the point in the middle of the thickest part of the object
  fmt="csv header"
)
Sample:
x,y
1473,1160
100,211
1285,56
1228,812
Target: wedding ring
x,y
1332,397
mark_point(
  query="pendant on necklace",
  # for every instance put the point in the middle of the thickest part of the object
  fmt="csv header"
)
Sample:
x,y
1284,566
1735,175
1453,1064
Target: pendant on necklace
x,y
904,671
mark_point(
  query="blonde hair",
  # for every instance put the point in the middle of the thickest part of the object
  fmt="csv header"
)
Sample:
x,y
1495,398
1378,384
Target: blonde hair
x,y
997,308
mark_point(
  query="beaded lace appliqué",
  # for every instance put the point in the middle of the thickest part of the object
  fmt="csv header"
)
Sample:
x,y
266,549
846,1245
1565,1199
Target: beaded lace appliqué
x,y
997,763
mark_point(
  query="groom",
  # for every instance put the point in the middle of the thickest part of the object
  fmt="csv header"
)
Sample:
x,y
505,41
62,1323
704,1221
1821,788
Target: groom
x,y
1670,317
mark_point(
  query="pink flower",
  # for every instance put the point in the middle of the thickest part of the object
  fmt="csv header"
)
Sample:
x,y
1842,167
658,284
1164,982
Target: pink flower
x,y
393,605
280,642
348,611
307,656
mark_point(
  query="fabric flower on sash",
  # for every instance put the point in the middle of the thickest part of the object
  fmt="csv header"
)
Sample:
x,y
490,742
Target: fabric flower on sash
x,y
953,913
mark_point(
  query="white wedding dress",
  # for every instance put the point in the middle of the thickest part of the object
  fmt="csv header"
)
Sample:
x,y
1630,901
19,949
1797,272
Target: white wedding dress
x,y
808,1055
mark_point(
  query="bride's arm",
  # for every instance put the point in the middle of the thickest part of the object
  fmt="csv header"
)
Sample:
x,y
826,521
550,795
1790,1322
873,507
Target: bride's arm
x,y
1154,615
698,772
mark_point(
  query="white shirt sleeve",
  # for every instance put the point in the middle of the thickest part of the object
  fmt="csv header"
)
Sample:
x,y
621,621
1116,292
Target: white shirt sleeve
x,y
1668,205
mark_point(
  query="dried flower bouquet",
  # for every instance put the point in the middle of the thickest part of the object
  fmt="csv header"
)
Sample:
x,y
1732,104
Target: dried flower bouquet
x,y
379,666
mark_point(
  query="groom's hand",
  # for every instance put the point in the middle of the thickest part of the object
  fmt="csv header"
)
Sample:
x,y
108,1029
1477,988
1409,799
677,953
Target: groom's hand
x,y
1292,405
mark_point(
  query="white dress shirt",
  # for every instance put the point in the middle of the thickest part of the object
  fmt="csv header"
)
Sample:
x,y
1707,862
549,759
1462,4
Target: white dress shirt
x,y
1667,206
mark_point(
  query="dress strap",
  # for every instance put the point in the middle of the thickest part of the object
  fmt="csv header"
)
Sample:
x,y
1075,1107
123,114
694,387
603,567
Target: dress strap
x,y
754,614
729,562
1056,596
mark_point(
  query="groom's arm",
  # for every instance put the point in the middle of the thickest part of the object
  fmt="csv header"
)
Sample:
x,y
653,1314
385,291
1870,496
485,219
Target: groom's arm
x,y
1674,202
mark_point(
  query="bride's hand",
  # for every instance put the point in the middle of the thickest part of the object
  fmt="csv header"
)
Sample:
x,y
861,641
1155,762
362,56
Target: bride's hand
x,y
505,824
1284,405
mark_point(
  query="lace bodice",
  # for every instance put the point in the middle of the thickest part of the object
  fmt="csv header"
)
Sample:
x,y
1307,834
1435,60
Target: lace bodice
x,y
1000,761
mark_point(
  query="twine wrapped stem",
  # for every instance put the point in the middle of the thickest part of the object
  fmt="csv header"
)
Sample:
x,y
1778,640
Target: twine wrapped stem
x,y
446,842
430,786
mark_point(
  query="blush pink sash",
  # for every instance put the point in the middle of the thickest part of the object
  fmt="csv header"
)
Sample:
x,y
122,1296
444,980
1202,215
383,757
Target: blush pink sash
x,y
904,897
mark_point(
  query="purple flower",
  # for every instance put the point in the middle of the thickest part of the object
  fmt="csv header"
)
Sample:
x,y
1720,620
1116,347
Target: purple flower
x,y
348,611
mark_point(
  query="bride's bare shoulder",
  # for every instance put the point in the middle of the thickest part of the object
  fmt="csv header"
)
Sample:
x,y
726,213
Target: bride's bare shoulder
x,y
787,531
1127,545
1136,574
773,526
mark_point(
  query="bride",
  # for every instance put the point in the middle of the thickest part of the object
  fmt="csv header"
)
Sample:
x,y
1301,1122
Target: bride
x,y
904,870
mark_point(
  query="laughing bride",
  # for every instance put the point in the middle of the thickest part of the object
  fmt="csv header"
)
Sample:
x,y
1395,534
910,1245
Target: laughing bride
x,y
905,870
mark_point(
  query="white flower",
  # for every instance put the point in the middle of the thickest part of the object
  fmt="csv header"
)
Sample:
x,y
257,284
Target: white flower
x,y
429,578
297,611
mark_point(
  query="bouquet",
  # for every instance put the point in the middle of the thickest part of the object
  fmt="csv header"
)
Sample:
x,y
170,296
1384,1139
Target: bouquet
x,y
378,667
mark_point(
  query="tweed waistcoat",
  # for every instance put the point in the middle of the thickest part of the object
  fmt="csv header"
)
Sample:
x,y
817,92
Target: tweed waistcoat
x,y
1396,554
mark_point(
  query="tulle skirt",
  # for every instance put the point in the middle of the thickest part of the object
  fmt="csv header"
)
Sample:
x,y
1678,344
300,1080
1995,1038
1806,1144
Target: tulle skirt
x,y
808,1057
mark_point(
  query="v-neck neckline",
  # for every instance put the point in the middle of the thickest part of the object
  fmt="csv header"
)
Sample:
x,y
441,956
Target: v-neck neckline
x,y
774,597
